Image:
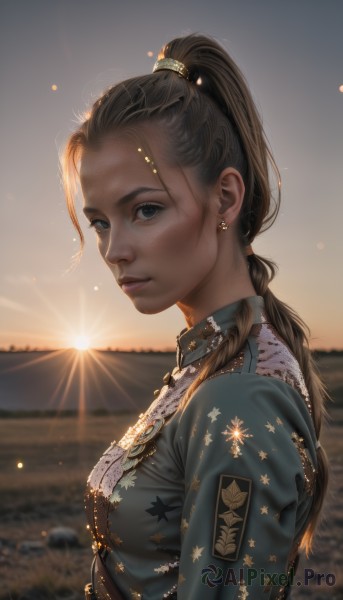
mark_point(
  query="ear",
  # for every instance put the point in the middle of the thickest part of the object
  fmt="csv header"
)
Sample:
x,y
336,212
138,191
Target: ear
x,y
230,190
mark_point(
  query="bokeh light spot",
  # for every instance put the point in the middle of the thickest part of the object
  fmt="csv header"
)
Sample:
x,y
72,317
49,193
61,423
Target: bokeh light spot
x,y
54,87
150,54
341,89
20,465
320,245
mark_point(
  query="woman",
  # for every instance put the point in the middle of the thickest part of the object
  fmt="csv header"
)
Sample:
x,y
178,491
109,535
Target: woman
x,y
212,492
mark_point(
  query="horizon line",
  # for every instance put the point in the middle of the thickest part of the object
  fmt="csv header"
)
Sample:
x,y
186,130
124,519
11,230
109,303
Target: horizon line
x,y
167,349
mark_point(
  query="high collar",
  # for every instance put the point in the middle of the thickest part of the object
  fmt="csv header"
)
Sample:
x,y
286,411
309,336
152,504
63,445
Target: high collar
x,y
194,343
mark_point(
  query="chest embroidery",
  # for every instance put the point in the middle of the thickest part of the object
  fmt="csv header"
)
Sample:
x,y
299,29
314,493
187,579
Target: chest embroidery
x,y
142,445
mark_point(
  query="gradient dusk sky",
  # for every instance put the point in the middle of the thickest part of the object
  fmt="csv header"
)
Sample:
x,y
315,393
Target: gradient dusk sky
x,y
291,53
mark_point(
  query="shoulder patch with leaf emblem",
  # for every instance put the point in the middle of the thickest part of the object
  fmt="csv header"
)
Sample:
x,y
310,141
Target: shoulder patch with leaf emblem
x,y
232,508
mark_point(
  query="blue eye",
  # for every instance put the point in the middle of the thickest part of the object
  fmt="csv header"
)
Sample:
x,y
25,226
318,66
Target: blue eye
x,y
147,211
99,225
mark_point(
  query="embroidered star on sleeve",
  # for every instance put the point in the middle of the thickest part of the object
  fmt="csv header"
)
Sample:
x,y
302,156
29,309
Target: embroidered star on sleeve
x,y
263,455
116,539
264,510
215,412
184,525
195,483
279,421
270,427
208,438
251,543
196,553
194,430
265,479
243,592
119,568
248,561
272,558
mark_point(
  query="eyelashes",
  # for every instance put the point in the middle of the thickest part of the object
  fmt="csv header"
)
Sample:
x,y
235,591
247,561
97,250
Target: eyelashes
x,y
148,210
97,225
143,212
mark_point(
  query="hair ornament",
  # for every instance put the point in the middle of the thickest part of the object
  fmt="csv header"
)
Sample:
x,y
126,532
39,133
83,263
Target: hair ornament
x,y
170,64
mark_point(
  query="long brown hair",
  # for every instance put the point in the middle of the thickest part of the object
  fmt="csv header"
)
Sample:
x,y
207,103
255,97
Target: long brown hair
x,y
211,122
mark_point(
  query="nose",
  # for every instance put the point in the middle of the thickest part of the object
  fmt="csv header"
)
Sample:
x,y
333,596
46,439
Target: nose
x,y
119,247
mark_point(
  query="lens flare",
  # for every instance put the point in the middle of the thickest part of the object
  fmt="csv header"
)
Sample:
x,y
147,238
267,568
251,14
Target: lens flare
x,y
81,342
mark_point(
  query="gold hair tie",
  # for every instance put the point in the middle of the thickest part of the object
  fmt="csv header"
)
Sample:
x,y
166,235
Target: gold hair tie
x,y
170,64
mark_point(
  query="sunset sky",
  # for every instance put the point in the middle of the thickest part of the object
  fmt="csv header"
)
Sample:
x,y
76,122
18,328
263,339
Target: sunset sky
x,y
56,58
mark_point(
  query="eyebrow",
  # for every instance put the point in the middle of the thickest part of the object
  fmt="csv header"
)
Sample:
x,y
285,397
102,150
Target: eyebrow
x,y
125,199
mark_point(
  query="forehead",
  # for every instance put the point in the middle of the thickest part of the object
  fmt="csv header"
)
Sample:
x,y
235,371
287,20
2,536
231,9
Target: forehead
x,y
125,151
129,158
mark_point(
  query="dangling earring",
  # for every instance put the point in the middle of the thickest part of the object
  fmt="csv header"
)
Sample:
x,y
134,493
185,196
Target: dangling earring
x,y
223,226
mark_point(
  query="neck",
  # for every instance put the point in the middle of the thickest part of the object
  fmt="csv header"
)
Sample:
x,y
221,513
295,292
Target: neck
x,y
222,287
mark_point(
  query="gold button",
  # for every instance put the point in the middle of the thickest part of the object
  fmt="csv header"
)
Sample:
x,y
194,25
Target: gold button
x,y
156,393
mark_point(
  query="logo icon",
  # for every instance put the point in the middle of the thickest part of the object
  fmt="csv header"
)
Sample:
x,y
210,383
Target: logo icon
x,y
212,576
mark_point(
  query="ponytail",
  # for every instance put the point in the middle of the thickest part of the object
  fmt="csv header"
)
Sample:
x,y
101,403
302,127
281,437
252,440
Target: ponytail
x,y
295,334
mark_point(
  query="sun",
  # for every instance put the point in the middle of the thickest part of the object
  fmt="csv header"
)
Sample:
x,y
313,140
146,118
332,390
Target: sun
x,y
81,342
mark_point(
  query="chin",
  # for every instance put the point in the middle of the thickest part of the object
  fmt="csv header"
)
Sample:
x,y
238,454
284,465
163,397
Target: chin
x,y
146,308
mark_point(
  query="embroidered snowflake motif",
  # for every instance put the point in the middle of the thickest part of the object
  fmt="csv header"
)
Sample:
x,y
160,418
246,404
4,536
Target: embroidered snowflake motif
x,y
115,498
128,480
237,435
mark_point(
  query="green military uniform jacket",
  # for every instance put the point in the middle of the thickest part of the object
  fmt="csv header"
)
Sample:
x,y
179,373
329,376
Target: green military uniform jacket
x,y
210,501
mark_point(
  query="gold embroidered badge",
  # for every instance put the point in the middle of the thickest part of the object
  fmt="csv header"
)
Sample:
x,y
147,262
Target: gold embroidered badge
x,y
233,500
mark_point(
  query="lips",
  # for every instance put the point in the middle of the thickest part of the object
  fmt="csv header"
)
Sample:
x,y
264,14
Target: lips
x,y
124,280
132,284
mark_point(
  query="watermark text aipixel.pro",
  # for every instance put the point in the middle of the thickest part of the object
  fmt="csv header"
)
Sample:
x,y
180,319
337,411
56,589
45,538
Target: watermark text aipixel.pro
x,y
212,576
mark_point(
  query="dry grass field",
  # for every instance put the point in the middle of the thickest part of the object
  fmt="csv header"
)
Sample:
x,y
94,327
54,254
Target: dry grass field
x,y
57,454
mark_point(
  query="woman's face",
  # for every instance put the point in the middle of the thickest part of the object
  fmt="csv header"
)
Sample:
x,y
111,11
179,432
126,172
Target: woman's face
x,y
161,247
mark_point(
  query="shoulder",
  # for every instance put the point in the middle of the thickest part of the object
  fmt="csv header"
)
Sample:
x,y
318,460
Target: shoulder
x,y
253,396
271,407
263,375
